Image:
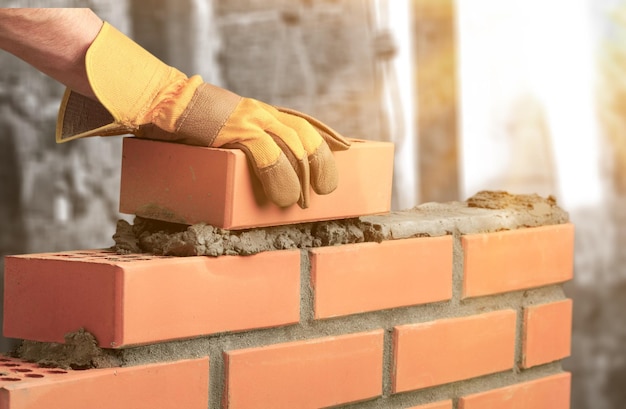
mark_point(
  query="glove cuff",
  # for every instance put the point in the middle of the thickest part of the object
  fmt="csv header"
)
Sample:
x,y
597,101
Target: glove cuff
x,y
80,116
133,89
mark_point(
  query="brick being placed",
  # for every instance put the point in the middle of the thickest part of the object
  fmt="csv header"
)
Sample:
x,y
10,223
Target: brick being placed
x,y
191,184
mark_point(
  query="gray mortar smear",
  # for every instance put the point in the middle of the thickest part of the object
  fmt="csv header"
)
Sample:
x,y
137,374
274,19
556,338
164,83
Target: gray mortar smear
x,y
80,351
487,211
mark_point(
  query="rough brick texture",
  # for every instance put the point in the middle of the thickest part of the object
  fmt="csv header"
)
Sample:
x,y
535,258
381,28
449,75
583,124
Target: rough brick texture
x,y
371,276
170,385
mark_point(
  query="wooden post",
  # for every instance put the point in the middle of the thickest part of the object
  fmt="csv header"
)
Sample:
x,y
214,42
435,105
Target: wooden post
x,y
436,91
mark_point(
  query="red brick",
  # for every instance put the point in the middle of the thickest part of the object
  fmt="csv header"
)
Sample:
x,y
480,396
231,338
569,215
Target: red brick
x,y
547,333
305,374
364,277
552,392
517,259
192,184
449,350
171,385
138,299
436,405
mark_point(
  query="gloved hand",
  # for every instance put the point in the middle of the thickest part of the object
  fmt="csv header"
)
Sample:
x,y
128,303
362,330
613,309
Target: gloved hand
x,y
137,93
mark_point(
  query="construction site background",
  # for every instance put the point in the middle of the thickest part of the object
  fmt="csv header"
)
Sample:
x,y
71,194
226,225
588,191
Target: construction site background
x,y
475,105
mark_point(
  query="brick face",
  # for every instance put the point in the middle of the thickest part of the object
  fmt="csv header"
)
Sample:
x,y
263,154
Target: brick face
x,y
170,385
139,299
373,276
305,374
449,350
517,259
155,186
547,333
552,392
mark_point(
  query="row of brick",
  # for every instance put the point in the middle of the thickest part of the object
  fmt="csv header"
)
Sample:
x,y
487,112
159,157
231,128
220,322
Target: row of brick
x,y
305,374
335,370
139,299
324,372
551,392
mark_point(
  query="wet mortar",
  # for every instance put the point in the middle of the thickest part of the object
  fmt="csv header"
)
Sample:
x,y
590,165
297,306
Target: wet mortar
x,y
484,212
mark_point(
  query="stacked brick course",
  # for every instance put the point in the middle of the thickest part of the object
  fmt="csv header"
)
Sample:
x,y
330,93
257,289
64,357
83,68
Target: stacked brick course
x,y
454,305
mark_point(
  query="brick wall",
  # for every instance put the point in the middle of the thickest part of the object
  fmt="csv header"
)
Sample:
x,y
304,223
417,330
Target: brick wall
x,y
453,305
469,318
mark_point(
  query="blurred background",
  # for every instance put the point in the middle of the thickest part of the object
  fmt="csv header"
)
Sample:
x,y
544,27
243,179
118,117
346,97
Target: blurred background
x,y
527,96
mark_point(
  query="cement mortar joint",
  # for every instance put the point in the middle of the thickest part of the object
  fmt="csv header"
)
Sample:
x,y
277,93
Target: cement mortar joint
x,y
487,211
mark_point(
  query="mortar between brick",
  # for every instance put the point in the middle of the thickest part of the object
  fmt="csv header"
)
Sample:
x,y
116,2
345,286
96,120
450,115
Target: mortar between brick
x,y
388,362
456,390
457,268
307,295
484,212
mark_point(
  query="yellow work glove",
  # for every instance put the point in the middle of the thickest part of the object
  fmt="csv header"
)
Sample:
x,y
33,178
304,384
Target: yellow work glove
x,y
139,94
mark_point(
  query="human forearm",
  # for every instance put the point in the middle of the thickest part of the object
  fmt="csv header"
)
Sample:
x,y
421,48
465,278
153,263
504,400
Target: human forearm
x,y
52,40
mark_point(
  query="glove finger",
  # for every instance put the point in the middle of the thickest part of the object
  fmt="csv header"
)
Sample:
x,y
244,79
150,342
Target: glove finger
x,y
254,125
324,174
335,141
280,181
292,146
323,170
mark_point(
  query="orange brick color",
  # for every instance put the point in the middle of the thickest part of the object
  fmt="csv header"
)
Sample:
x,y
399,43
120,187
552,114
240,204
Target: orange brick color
x,y
138,299
171,385
371,276
155,185
552,392
435,353
552,322
517,259
305,374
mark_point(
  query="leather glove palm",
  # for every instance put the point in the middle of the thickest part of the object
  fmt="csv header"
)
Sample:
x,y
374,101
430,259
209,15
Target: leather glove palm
x,y
137,93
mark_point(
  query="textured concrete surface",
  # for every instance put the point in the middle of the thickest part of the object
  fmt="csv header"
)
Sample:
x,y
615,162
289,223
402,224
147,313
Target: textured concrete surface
x,y
486,211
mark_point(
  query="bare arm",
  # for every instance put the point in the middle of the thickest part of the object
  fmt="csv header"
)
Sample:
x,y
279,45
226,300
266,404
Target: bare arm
x,y
52,40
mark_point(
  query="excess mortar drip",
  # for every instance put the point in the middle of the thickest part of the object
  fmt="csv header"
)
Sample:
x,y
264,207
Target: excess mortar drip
x,y
487,211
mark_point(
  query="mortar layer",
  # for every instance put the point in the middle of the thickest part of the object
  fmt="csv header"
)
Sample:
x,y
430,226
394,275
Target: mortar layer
x,y
487,211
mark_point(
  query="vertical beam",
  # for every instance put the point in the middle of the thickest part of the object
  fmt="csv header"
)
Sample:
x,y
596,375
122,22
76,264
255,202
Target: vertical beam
x,y
150,26
436,96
